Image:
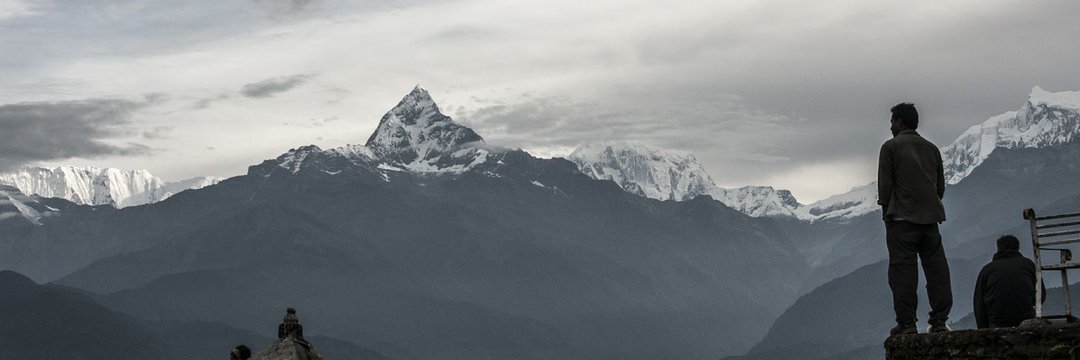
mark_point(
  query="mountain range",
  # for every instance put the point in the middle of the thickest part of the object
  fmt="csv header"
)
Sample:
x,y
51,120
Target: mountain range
x,y
427,243
407,137
429,240
1046,119
97,186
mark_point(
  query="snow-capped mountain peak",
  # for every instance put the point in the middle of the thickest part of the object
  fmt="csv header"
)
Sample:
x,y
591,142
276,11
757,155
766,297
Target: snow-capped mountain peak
x,y
98,186
644,170
1065,99
759,201
414,136
665,174
858,201
416,131
1046,119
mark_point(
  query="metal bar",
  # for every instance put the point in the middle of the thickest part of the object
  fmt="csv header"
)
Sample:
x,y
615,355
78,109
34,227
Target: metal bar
x,y
1060,233
1052,217
1061,266
1029,214
1047,226
1065,285
1059,242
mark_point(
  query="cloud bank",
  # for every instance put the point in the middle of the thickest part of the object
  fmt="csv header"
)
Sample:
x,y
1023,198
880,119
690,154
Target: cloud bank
x,y
44,131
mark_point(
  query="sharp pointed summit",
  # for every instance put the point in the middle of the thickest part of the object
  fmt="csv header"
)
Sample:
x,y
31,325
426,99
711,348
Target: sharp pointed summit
x,y
416,131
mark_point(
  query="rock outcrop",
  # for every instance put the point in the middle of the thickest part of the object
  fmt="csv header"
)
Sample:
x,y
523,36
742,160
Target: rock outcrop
x,y
290,344
289,348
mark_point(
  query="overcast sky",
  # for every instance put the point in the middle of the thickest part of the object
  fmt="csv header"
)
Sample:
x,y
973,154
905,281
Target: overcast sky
x,y
792,94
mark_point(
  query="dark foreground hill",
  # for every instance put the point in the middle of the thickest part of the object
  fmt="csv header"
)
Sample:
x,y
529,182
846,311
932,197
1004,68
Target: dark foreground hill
x,y
54,322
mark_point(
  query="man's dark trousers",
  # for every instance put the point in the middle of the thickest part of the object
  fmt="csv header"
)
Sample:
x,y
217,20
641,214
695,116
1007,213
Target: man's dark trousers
x,y
906,241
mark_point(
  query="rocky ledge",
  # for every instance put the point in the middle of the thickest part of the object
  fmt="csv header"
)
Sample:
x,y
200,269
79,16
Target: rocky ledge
x,y
1060,341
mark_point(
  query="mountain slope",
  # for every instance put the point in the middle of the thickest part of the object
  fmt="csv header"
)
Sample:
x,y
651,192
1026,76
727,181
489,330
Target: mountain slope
x,y
985,205
43,322
851,313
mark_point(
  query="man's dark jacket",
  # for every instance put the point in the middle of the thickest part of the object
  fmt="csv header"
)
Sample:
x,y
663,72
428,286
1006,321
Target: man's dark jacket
x,y
911,179
1005,291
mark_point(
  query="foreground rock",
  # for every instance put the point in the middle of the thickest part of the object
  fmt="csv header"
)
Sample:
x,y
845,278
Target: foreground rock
x,y
289,348
1037,342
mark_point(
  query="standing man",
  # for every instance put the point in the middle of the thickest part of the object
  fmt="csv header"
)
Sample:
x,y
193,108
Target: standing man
x,y
911,183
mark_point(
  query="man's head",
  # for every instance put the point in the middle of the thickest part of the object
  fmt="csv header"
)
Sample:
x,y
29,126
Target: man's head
x,y
1008,242
904,117
241,352
290,316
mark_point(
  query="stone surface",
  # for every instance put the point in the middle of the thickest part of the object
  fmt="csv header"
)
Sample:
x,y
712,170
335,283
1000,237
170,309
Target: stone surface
x,y
288,348
1038,342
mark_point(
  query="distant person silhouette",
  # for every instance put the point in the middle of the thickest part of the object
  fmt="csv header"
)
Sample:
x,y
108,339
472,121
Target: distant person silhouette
x,y
240,352
911,183
1005,291
290,326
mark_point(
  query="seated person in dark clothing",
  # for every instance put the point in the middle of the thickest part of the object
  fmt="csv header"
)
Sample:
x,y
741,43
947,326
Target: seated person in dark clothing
x,y
1005,291
290,326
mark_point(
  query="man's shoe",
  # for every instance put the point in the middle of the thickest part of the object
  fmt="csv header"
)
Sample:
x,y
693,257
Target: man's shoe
x,y
939,328
903,329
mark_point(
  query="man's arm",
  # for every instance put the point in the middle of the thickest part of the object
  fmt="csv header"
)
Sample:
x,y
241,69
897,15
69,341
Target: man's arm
x,y
940,177
885,177
982,320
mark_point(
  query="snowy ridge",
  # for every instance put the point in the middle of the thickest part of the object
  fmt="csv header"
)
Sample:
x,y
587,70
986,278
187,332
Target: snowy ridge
x,y
14,203
97,186
758,201
858,201
294,158
664,174
644,170
1046,119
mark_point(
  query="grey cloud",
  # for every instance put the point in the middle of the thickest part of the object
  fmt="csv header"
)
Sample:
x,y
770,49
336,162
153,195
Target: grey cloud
x,y
285,6
157,132
466,33
204,103
338,94
312,123
272,86
43,131
719,128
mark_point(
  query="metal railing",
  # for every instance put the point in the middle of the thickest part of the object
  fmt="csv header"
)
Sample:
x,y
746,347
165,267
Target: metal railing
x,y
1053,226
